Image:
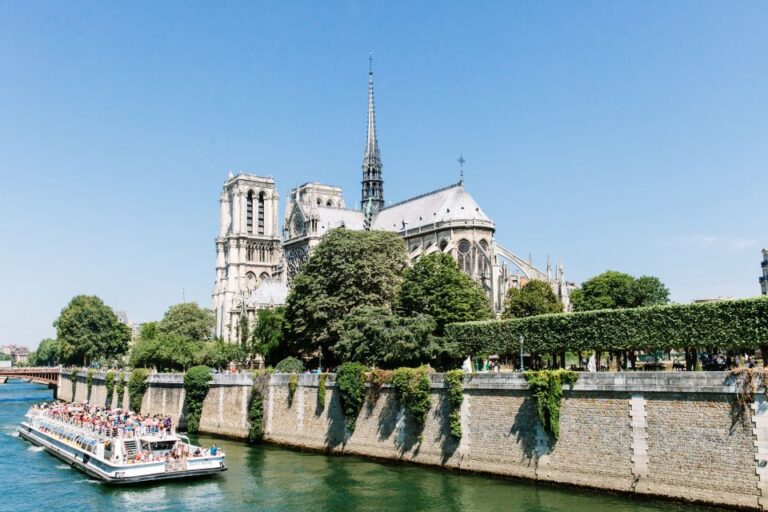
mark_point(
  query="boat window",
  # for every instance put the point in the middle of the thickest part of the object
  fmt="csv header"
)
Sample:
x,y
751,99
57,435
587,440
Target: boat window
x,y
163,445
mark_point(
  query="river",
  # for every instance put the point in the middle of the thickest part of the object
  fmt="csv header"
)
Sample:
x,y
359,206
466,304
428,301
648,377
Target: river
x,y
274,479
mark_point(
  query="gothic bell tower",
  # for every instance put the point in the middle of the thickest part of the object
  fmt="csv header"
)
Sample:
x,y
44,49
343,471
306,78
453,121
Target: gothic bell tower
x,y
373,184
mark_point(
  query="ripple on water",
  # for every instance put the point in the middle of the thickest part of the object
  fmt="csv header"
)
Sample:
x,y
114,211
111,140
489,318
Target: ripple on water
x,y
34,448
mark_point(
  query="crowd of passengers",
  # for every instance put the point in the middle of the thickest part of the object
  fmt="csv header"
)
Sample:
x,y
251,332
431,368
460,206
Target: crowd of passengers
x,y
104,421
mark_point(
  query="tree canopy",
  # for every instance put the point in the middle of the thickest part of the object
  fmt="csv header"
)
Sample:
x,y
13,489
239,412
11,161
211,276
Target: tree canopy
x,y
617,290
47,353
189,321
373,335
533,298
437,287
347,269
87,328
267,337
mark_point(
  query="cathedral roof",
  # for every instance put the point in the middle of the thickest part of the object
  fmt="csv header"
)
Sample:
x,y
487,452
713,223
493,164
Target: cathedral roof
x,y
449,204
331,218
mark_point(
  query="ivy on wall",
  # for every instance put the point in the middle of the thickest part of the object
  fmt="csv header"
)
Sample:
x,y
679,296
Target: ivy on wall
x,y
293,384
321,390
412,390
454,381
733,324
137,385
197,380
120,389
89,382
73,376
547,388
351,384
376,380
109,383
256,416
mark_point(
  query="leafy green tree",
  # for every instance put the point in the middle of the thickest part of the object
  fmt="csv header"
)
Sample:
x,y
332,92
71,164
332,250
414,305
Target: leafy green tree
x,y
189,321
87,328
267,338
617,290
148,331
47,353
7,357
290,365
218,354
435,286
375,336
534,298
165,352
347,269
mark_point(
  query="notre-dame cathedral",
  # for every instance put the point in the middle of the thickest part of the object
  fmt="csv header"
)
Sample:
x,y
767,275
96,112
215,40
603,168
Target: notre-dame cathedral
x,y
255,263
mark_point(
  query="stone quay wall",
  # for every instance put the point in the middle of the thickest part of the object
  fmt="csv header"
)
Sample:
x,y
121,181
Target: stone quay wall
x,y
677,435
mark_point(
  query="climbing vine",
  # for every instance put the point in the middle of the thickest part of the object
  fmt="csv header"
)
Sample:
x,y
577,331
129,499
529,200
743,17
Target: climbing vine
x,y
74,384
293,383
350,381
197,380
547,388
454,381
89,382
321,390
376,380
412,390
256,415
109,383
120,389
137,385
746,380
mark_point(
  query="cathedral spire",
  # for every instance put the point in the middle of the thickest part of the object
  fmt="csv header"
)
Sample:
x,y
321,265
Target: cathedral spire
x,y
372,184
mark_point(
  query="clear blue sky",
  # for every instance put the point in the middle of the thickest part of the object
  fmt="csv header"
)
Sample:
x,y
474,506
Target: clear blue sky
x,y
619,135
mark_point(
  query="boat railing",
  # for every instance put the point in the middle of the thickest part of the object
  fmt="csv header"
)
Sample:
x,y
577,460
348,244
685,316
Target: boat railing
x,y
175,465
108,432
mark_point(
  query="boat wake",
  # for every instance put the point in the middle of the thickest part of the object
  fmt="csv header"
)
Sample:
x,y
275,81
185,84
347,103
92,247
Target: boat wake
x,y
63,466
12,434
35,449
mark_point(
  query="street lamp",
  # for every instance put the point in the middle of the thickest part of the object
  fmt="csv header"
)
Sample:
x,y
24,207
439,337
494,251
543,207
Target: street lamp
x,y
522,340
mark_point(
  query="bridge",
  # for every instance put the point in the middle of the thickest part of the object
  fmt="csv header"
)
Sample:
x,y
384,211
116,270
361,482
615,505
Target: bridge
x,y
44,375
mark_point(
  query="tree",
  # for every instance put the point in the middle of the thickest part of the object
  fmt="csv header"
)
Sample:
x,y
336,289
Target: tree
x,y
218,354
165,352
267,338
437,287
617,290
189,321
534,298
47,353
148,331
88,328
374,336
347,269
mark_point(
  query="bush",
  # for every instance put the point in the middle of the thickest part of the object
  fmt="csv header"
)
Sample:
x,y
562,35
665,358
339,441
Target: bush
x,y
137,385
376,381
197,380
289,365
89,383
547,388
293,384
109,383
256,416
735,324
350,381
120,389
454,381
412,389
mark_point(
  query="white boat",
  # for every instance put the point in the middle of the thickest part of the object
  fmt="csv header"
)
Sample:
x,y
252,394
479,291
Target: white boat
x,y
111,458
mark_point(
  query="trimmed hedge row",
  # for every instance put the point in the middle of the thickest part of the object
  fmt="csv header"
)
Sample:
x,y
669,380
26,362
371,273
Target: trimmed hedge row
x,y
734,324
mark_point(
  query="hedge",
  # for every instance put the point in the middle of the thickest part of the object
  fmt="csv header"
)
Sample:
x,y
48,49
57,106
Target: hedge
x,y
734,324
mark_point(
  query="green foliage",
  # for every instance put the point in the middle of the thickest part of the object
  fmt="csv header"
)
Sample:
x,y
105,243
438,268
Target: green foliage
x,y
412,389
137,385
289,365
350,381
267,338
256,416
454,381
109,383
188,320
219,354
87,328
321,390
737,324
165,352
435,286
197,380
616,290
372,335
148,331
293,384
74,383
120,389
89,382
534,298
7,357
547,388
347,269
47,353
376,380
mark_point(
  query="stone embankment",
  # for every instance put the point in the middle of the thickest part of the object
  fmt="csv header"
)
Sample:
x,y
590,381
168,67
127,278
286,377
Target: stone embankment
x,y
677,435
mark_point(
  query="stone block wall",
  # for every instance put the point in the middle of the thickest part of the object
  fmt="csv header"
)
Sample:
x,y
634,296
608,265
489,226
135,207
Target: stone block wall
x,y
663,434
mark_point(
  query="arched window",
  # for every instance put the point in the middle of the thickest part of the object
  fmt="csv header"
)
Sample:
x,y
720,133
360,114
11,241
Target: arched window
x,y
249,253
250,278
443,245
329,203
465,256
261,213
249,212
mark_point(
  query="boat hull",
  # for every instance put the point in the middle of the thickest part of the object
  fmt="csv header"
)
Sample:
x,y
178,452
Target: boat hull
x,y
84,462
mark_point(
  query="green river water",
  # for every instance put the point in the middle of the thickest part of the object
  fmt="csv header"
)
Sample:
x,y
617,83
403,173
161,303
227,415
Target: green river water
x,y
275,479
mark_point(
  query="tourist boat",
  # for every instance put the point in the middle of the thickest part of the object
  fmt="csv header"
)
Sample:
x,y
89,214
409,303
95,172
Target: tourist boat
x,y
110,458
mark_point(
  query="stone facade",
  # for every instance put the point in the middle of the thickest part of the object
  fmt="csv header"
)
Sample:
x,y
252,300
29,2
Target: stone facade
x,y
660,434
